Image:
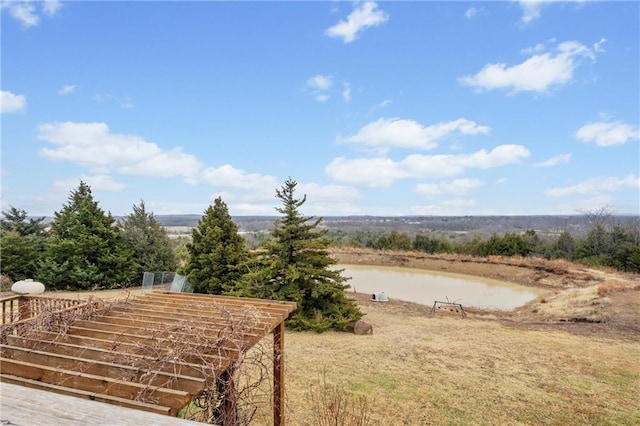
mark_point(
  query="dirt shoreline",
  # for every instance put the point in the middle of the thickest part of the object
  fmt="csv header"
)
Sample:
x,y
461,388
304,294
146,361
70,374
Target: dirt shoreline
x,y
578,299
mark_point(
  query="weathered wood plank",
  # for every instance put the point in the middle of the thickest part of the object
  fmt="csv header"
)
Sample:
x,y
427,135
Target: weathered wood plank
x,y
92,383
186,368
217,303
144,312
126,373
33,403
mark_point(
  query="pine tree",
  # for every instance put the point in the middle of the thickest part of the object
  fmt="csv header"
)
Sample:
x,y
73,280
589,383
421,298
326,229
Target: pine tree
x,y
18,220
22,243
296,266
217,253
86,249
149,241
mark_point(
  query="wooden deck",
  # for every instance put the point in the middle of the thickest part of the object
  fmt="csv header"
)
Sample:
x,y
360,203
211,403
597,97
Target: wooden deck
x,y
120,356
24,406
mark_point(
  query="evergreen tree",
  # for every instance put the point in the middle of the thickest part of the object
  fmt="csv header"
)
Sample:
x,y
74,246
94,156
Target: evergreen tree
x,y
217,253
149,241
86,249
22,242
18,220
297,267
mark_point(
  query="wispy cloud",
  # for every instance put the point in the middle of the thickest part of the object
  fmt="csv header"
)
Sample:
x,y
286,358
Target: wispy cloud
x,y
123,102
10,102
346,92
539,73
383,171
381,105
596,186
386,133
319,86
532,9
607,133
27,12
96,182
471,12
555,161
364,15
455,187
67,89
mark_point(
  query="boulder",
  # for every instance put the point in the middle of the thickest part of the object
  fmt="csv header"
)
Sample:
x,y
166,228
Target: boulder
x,y
28,286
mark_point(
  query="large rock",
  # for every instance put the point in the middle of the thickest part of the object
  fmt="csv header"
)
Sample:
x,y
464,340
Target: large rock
x,y
28,286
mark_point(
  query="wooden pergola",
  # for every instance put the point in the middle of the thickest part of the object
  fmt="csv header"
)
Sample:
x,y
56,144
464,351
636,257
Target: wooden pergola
x,y
126,353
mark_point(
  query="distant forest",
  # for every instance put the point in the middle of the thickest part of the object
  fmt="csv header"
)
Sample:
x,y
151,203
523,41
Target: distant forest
x,y
479,225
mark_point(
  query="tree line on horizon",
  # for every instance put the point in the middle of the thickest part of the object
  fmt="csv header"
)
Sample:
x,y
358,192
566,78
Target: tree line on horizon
x,y
606,243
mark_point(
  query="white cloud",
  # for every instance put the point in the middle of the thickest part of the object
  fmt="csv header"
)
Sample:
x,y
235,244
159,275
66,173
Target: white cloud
x,y
67,89
597,186
471,12
382,172
540,47
608,133
96,182
320,82
398,133
597,47
539,73
124,102
92,145
10,102
452,207
455,187
531,9
346,92
555,160
381,105
51,7
227,176
26,12
364,15
328,199
319,86
372,172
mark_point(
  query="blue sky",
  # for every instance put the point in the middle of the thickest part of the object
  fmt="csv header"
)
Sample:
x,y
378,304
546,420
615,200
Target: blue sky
x,y
387,108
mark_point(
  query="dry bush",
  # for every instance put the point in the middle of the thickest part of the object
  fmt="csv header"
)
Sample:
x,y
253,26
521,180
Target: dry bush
x,y
612,286
334,406
5,282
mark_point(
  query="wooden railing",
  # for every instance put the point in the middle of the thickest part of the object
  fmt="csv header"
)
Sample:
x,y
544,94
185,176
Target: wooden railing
x,y
10,309
18,310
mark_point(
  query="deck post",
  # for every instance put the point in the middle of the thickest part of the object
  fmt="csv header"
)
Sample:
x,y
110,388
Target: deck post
x,y
278,375
24,308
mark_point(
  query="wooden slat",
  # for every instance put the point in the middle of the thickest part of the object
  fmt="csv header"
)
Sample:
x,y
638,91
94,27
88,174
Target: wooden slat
x,y
102,368
184,367
225,347
92,383
62,390
155,324
175,314
221,302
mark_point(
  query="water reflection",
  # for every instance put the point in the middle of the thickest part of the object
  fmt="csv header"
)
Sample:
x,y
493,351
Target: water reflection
x,y
425,287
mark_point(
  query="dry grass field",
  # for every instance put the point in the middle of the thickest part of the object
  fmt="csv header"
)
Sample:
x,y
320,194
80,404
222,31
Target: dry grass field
x,y
571,357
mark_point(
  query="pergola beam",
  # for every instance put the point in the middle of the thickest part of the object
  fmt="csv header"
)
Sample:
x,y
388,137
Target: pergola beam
x,y
278,375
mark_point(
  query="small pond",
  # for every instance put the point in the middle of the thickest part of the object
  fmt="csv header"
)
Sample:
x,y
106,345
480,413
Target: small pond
x,y
425,287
